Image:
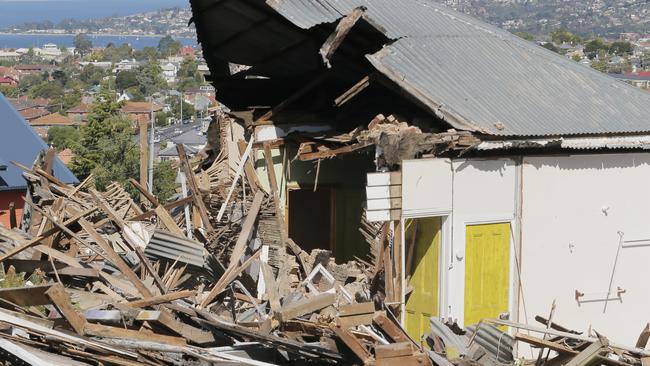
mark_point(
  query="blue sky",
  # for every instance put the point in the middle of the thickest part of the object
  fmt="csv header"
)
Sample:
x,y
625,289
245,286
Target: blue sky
x,y
20,11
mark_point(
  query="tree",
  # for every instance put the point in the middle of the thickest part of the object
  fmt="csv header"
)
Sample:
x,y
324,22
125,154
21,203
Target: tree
x,y
63,137
175,104
592,47
525,35
9,91
126,79
576,57
91,75
161,119
164,184
107,149
68,100
189,68
82,43
620,48
551,46
563,36
47,89
150,79
146,54
167,46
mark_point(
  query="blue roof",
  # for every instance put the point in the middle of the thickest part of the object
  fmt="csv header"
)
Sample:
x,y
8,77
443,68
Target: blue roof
x,y
19,142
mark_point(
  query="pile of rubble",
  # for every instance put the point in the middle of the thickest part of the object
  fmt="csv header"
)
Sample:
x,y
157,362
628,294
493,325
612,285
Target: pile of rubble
x,y
95,278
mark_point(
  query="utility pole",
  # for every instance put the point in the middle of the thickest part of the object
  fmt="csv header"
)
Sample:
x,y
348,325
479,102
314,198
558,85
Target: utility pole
x,y
181,107
151,149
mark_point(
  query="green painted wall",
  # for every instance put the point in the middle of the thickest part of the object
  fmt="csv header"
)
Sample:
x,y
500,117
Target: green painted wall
x,y
345,175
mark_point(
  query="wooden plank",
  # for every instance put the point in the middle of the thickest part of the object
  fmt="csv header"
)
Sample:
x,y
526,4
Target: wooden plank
x,y
357,309
590,354
165,218
249,169
144,156
394,350
383,215
63,258
390,328
642,341
378,192
357,88
343,28
114,258
45,235
155,300
193,334
26,296
168,206
352,343
333,152
413,360
542,343
247,227
112,215
383,179
226,279
271,287
306,306
104,331
275,191
61,300
168,221
384,204
196,193
354,320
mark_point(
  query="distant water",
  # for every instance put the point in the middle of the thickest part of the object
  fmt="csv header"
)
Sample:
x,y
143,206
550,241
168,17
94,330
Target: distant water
x,y
38,40
19,11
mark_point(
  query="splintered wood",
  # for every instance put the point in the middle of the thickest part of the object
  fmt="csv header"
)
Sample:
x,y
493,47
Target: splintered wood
x,y
106,278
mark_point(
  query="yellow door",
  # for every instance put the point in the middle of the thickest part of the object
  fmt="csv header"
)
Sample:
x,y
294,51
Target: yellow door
x,y
487,271
422,239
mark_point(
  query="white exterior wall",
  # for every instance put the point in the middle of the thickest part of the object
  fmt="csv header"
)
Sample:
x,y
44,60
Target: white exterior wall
x,y
482,191
573,209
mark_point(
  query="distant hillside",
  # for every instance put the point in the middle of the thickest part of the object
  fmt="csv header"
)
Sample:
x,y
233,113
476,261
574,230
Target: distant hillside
x,y
172,21
603,18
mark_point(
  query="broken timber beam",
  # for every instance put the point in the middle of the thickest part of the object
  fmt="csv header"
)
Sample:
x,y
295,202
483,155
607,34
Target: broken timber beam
x,y
338,36
196,194
116,259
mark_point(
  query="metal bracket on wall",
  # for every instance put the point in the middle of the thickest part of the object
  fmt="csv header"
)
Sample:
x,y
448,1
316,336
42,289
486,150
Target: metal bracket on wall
x,y
583,298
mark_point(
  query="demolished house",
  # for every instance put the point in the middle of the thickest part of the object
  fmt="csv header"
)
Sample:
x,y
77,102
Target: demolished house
x,y
386,189
514,178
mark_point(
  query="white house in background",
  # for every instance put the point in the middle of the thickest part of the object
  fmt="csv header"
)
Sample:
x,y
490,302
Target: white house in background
x,y
169,71
126,65
9,55
125,97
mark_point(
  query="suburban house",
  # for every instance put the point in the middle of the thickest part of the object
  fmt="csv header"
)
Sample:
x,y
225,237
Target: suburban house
x,y
638,79
126,65
140,111
8,81
169,71
513,178
19,143
31,109
43,124
79,113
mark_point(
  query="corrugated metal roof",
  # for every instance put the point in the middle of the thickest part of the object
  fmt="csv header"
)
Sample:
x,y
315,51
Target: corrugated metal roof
x,y
578,143
479,77
19,142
